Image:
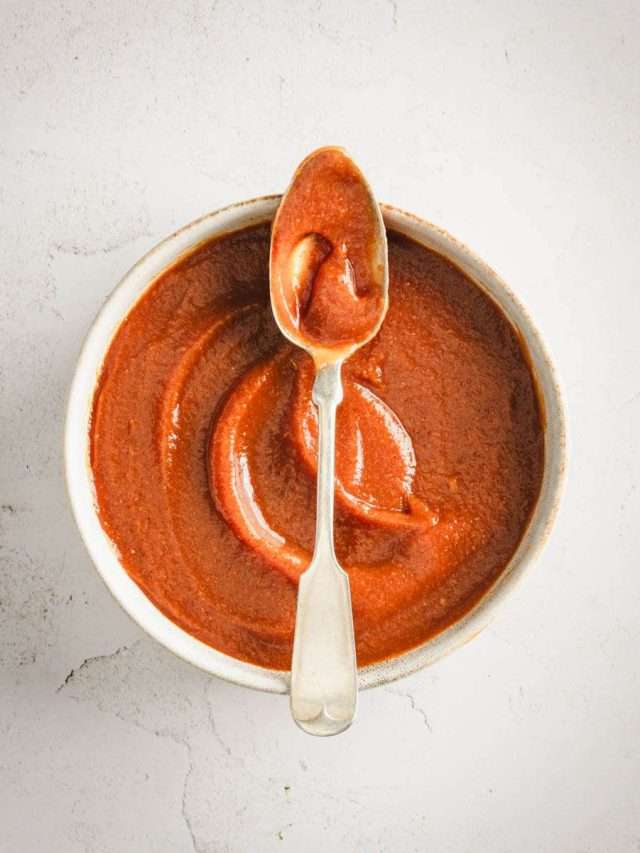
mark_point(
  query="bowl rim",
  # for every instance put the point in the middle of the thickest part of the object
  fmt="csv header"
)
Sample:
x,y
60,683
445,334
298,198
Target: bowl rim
x,y
79,479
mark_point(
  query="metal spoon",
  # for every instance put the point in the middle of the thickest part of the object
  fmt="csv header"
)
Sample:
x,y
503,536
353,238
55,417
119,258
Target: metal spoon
x,y
324,669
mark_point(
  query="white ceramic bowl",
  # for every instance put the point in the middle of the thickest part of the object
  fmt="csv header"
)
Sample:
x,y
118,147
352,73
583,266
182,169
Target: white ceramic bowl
x,y
80,481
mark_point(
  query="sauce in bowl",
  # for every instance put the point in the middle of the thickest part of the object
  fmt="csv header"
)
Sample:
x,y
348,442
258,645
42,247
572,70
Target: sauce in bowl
x,y
203,452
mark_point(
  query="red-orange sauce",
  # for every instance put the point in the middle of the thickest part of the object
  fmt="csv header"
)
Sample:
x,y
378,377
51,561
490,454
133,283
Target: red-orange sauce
x,y
203,451
327,265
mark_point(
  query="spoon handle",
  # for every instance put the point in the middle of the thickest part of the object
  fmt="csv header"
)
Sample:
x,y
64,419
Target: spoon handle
x,y
323,669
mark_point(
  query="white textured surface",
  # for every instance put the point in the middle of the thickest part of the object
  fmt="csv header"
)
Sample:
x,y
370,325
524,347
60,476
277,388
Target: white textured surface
x,y
514,125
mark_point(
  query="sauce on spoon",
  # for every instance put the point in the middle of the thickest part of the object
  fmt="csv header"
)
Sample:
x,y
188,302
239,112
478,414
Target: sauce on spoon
x,y
328,258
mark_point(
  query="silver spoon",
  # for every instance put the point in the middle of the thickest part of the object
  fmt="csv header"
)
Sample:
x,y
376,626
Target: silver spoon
x,y
316,246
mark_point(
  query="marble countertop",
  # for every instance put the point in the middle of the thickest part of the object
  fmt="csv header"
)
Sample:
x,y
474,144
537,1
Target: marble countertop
x,y
516,126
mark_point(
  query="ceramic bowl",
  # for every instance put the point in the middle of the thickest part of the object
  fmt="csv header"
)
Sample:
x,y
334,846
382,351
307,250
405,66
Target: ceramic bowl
x,y
80,482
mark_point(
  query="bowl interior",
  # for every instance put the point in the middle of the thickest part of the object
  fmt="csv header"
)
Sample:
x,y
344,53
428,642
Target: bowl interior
x,y
80,480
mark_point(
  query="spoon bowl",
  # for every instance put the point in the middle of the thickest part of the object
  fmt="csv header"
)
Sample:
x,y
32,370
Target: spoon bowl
x,y
327,264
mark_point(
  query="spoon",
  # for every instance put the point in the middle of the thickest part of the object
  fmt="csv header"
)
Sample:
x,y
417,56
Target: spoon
x,y
329,294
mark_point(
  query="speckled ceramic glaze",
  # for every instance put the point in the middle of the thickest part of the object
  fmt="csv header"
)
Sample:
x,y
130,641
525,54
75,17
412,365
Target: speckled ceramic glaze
x,y
80,481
